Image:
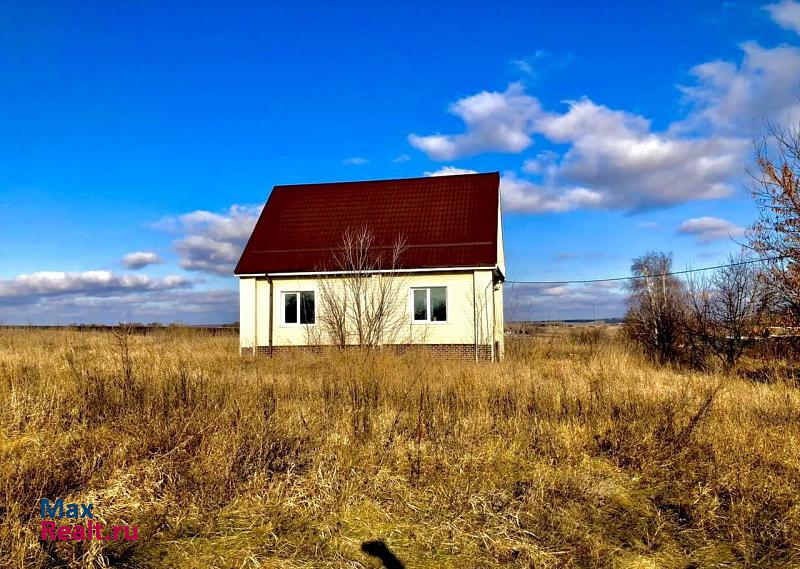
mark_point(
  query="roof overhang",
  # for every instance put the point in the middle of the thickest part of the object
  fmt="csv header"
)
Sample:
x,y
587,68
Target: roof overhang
x,y
494,268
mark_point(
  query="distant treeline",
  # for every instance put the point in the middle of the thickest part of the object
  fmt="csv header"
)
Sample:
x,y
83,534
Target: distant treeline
x,y
136,328
574,321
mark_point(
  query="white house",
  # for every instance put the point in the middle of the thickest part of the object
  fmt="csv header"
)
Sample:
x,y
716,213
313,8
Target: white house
x,y
388,263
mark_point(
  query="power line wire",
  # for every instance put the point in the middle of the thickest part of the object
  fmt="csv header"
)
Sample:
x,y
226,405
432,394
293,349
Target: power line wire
x,y
632,277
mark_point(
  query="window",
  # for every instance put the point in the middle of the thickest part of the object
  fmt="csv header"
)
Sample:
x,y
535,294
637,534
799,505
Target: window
x,y
298,307
429,304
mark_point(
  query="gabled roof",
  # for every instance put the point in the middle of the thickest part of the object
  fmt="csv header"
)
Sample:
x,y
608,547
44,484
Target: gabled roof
x,y
446,221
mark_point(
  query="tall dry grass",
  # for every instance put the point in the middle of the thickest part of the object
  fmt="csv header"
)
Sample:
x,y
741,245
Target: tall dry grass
x,y
572,453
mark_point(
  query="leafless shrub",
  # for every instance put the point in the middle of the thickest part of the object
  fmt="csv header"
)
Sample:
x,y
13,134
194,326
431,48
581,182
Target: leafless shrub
x,y
362,306
726,309
591,336
775,237
121,335
332,316
656,310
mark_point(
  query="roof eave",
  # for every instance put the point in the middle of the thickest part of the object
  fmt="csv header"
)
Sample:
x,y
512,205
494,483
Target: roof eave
x,y
376,271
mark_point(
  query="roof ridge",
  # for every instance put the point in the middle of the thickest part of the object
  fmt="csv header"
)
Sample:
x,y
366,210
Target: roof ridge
x,y
385,180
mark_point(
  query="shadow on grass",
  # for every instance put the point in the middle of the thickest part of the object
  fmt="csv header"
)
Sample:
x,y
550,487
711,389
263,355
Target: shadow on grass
x,y
378,549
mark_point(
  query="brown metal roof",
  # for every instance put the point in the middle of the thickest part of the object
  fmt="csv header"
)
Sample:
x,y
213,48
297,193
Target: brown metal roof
x,y
446,221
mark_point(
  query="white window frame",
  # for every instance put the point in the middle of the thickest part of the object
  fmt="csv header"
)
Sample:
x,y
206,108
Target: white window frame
x,y
428,288
283,307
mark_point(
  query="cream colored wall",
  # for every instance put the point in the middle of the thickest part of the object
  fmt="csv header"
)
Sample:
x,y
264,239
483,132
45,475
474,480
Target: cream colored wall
x,y
458,329
484,306
247,312
501,254
498,293
262,316
499,321
282,334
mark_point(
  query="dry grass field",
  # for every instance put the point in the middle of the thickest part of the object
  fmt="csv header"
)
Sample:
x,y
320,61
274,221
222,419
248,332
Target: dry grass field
x,y
574,452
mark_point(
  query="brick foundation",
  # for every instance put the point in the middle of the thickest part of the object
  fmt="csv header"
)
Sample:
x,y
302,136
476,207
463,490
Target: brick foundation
x,y
444,351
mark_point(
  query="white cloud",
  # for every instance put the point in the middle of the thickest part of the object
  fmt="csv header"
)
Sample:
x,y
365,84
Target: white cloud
x,y
731,98
544,164
564,301
450,171
401,158
29,288
213,242
540,63
526,196
554,291
495,122
355,161
708,229
53,297
614,159
786,14
528,65
208,255
616,156
140,259
214,306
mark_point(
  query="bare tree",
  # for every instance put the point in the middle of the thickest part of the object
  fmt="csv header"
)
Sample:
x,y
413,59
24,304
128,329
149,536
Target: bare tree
x,y
332,316
775,237
656,310
726,309
362,305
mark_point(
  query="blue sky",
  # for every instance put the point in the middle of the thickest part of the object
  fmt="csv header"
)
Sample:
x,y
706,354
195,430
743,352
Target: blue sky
x,y
160,127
